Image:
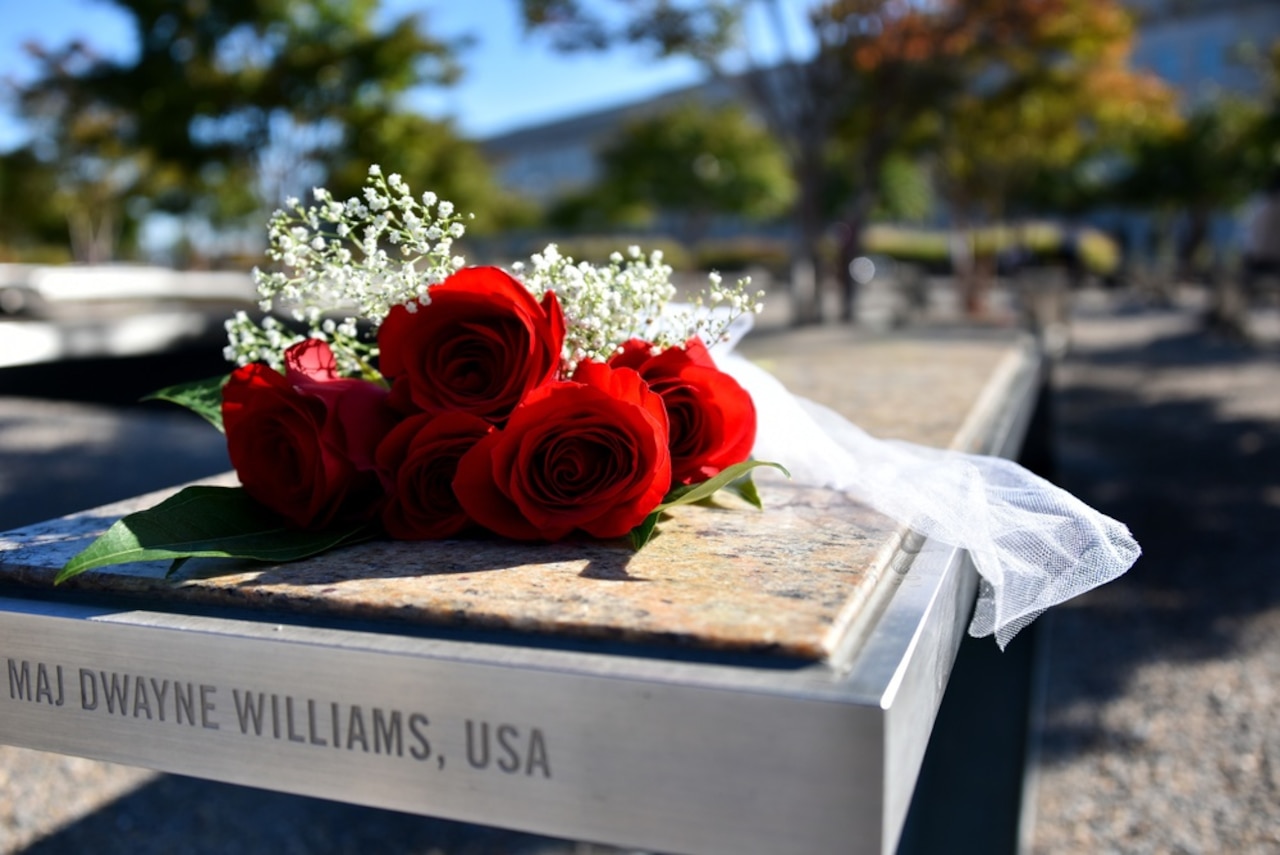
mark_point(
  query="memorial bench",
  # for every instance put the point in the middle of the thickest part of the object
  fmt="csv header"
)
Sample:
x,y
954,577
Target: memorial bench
x,y
749,682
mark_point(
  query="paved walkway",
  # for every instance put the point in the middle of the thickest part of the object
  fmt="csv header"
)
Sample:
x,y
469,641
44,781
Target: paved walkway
x,y
1158,729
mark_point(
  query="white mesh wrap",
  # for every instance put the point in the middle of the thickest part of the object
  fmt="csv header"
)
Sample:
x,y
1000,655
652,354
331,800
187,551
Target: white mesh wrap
x,y
1034,544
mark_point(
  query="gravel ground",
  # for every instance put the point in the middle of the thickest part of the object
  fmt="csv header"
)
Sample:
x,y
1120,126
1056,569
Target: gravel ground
x,y
1156,729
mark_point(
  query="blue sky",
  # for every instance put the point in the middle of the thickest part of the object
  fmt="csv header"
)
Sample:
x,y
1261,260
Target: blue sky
x,y
510,80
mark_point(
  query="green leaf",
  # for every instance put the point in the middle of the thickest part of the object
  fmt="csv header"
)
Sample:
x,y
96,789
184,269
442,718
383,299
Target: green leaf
x,y
207,522
745,487
643,533
203,397
705,489
736,478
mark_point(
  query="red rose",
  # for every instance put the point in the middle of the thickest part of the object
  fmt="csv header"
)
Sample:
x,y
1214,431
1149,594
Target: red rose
x,y
418,460
478,347
587,454
713,420
303,442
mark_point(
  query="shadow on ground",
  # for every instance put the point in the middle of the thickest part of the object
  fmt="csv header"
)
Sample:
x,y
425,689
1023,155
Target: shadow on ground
x,y
1174,436
74,434
175,814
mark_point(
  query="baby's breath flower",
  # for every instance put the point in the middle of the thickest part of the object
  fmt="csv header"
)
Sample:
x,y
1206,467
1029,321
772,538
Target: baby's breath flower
x,y
630,297
248,342
331,257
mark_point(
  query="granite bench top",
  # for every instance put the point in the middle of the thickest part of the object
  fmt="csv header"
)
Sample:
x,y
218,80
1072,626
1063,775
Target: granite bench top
x,y
789,580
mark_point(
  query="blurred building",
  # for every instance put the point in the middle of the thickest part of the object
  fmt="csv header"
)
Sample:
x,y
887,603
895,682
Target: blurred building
x,y
1199,46
1203,47
543,162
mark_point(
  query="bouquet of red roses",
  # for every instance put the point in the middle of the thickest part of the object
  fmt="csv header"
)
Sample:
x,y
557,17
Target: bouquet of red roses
x,y
574,401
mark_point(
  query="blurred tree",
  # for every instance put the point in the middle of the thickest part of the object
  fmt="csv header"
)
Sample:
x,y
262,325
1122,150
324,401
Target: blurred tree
x,y
999,91
1050,117
1209,163
230,106
1227,150
880,82
797,98
30,223
429,155
587,209
696,162
1267,135
81,150
1063,101
906,190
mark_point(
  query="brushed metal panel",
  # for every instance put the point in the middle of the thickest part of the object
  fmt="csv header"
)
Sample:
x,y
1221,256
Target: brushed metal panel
x,y
675,765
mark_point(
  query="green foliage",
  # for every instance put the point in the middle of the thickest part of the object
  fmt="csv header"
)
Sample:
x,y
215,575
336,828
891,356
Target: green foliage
x,y
698,162
736,478
1215,159
1060,101
1266,135
906,189
593,210
229,107
207,522
30,227
702,29
202,397
428,154
80,143
902,189
1000,93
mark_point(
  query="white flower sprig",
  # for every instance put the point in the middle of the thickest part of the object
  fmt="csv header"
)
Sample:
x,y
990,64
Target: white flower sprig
x,y
248,342
334,262
603,306
630,297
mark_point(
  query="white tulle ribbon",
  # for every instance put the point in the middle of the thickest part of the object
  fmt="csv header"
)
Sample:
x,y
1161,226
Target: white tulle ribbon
x,y
1034,544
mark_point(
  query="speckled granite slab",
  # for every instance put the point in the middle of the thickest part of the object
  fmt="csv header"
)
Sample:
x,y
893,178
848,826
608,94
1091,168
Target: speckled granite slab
x,y
790,579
